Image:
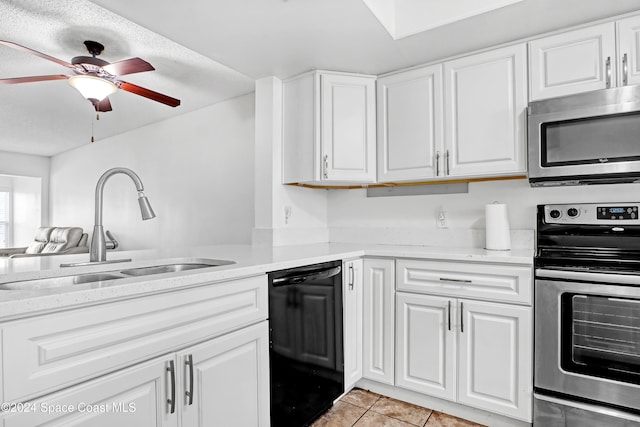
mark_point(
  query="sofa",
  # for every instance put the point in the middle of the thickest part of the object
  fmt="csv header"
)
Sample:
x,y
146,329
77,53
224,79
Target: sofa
x,y
52,241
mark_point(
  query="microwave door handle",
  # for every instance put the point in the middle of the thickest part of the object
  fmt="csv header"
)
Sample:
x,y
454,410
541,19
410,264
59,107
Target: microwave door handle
x,y
608,71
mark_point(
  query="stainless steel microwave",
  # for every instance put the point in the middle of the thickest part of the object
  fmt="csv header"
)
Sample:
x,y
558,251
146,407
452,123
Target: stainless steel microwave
x,y
587,138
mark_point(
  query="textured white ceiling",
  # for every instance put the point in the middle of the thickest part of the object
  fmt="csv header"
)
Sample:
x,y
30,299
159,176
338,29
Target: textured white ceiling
x,y
254,37
46,118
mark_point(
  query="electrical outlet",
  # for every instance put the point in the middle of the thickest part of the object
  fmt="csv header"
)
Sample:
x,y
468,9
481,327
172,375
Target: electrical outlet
x,y
441,220
287,214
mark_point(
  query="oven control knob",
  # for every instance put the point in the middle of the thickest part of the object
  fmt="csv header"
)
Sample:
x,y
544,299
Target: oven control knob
x,y
554,213
573,212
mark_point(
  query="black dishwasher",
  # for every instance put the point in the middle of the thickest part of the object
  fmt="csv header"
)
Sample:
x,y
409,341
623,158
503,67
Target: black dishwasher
x,y
305,344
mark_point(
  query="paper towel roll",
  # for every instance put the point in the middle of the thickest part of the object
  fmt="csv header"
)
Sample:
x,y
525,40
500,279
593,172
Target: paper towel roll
x,y
497,227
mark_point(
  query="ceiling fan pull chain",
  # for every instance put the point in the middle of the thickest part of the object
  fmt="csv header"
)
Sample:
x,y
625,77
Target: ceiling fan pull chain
x,y
92,139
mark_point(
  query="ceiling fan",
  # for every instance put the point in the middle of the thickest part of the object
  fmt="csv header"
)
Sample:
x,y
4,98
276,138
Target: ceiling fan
x,y
95,78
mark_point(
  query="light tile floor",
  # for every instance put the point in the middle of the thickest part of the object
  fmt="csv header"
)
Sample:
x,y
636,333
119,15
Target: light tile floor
x,y
362,408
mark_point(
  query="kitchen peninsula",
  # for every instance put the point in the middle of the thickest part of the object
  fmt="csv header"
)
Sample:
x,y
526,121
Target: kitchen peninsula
x,y
150,333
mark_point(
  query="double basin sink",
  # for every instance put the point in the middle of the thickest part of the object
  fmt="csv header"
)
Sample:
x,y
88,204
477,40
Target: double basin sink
x,y
102,276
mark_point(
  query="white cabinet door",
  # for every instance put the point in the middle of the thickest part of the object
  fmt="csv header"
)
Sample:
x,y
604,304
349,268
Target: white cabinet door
x,y
348,128
495,347
378,320
410,124
425,344
352,321
573,62
133,397
227,383
328,129
485,108
629,51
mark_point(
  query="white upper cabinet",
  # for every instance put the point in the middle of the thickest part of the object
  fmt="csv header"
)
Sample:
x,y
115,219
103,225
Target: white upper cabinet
x,y
586,59
629,51
461,119
410,124
573,62
485,98
329,132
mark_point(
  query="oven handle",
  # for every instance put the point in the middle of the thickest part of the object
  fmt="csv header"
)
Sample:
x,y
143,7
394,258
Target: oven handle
x,y
618,279
589,408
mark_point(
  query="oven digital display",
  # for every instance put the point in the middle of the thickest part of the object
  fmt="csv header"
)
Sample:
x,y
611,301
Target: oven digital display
x,y
617,212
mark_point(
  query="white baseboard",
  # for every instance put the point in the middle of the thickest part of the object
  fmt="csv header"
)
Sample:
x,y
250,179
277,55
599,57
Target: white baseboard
x,y
451,408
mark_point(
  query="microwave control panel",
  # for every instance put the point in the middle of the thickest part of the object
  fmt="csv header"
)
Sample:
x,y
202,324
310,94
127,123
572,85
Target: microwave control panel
x,y
593,213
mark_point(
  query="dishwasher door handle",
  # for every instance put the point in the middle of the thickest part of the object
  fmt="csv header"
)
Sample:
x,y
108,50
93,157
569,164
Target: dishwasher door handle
x,y
297,279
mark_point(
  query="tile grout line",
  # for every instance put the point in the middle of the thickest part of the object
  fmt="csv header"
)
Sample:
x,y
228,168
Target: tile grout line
x,y
368,409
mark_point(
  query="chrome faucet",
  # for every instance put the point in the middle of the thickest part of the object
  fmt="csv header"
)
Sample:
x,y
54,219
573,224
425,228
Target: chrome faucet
x,y
98,250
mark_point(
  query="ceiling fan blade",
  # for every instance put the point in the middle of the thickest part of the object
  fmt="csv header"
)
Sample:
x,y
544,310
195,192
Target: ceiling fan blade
x,y
36,53
147,93
128,66
15,80
103,106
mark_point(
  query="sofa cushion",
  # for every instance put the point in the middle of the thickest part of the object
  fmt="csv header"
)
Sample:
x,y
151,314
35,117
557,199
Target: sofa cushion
x,y
42,237
63,238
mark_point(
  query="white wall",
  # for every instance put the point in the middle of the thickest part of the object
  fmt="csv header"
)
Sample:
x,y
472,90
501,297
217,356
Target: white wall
x,y
352,209
284,214
197,170
29,166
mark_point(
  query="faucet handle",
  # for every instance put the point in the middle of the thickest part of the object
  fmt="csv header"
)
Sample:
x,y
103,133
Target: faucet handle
x,y
112,243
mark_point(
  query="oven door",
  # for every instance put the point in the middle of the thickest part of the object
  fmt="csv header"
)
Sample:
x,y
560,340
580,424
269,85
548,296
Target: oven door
x,y
587,336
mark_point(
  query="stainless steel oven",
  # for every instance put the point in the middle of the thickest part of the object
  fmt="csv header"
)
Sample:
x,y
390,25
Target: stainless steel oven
x,y
587,315
587,138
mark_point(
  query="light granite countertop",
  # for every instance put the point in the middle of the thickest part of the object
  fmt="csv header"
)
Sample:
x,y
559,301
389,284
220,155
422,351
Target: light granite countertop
x,y
248,261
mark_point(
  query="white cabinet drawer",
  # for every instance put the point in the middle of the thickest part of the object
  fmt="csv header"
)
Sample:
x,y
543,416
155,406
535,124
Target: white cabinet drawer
x,y
494,282
49,352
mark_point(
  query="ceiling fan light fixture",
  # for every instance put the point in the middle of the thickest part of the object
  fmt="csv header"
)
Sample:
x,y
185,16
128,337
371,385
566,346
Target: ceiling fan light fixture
x,y
92,87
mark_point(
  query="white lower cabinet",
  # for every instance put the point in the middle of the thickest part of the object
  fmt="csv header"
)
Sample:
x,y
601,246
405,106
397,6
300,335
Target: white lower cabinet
x,y
192,357
352,321
495,358
223,381
136,396
474,352
378,320
425,345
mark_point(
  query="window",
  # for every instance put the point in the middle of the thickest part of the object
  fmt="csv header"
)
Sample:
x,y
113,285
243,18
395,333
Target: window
x,y
5,218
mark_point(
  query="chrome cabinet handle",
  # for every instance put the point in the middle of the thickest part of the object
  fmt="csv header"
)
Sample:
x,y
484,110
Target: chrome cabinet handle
x,y
446,279
608,67
189,393
172,401
625,70
447,156
437,163
461,317
449,314
325,166
351,276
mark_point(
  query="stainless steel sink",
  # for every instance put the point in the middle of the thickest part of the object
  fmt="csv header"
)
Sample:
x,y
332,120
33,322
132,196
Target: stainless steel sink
x,y
176,267
56,282
183,264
